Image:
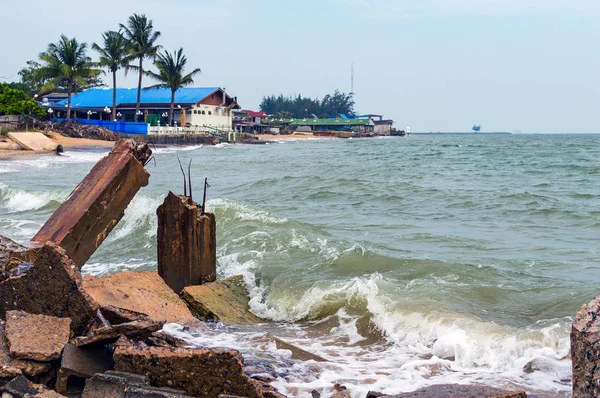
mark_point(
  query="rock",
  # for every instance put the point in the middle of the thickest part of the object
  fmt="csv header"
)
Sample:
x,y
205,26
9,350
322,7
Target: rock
x,y
340,392
82,362
142,292
126,385
52,286
21,387
12,253
36,337
374,394
459,390
143,328
76,130
225,301
186,242
585,350
96,205
297,353
200,372
10,367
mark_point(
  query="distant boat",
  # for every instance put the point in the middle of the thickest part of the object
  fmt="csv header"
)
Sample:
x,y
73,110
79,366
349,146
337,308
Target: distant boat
x,y
476,128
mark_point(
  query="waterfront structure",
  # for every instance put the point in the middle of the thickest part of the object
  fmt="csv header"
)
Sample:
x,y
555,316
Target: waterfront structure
x,y
201,107
358,125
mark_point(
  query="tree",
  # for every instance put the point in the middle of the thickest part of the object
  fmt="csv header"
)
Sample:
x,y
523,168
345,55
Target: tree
x,y
15,102
32,81
113,56
66,62
170,74
142,42
302,107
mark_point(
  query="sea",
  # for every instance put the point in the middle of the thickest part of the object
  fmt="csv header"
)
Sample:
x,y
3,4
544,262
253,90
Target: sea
x,y
403,261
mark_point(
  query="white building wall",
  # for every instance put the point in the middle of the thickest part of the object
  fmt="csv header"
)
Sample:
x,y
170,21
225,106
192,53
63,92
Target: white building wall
x,y
218,117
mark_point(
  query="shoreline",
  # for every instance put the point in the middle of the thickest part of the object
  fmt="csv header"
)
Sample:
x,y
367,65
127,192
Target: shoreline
x,y
68,143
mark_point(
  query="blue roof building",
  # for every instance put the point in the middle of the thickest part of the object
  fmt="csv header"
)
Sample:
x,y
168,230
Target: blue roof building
x,y
199,106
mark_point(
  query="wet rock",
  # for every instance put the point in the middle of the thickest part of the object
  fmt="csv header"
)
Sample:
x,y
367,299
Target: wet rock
x,y
126,385
52,286
10,367
82,362
36,337
225,301
200,372
297,353
374,394
142,292
96,205
459,390
585,350
340,391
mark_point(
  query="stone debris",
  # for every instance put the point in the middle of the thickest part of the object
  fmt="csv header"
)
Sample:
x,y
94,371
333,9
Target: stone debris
x,y
297,353
459,391
200,372
12,253
77,130
11,367
585,350
142,292
82,362
51,285
36,337
126,385
225,300
96,205
21,387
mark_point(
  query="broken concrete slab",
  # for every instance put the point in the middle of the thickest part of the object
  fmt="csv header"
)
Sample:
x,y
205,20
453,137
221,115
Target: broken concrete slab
x,y
186,243
459,390
82,362
33,141
12,253
94,208
105,334
585,350
200,372
297,353
21,387
10,367
225,301
143,292
50,285
36,337
126,385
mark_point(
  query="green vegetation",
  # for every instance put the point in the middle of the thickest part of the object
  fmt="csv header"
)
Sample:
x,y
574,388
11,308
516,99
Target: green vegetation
x,y
142,42
170,74
66,62
16,102
302,107
113,56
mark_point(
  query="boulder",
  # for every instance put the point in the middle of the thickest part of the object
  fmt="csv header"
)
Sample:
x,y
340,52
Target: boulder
x,y
36,337
50,285
96,205
21,387
459,390
142,292
225,300
10,367
585,350
200,372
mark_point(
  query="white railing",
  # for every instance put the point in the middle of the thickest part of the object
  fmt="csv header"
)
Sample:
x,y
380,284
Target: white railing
x,y
204,130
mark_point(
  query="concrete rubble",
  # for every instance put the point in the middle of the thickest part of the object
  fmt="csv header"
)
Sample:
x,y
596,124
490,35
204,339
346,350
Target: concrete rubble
x,y
36,337
585,350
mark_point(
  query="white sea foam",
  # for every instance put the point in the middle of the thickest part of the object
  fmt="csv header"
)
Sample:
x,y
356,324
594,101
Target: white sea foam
x,y
243,212
173,149
69,157
17,201
104,268
140,214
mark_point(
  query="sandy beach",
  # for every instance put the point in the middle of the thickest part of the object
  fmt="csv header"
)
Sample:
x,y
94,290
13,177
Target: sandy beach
x,y
68,143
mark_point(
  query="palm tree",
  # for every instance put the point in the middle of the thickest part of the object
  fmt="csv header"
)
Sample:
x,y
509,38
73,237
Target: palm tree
x,y
142,45
66,62
170,74
113,55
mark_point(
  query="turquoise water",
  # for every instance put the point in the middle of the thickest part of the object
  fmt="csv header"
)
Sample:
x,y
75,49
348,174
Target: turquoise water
x,y
404,261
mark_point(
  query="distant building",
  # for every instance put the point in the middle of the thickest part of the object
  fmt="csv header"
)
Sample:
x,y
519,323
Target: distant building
x,y
194,106
358,125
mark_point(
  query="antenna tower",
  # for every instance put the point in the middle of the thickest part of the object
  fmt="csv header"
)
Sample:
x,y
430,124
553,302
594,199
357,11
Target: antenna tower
x,y
352,78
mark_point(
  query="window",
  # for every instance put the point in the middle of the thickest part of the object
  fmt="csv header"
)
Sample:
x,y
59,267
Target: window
x,y
195,111
209,112
203,112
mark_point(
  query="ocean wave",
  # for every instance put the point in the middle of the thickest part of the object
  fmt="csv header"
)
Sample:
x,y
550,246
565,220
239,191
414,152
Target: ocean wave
x,y
18,201
174,149
232,210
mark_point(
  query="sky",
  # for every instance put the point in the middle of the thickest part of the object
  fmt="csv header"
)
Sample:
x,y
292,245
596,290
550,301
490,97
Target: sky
x,y
434,65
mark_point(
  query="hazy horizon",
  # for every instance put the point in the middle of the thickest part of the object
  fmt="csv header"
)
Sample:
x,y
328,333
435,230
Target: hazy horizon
x,y
437,65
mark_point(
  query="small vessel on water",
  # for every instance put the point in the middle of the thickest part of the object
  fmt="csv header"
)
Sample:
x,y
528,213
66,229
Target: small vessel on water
x,y
397,133
476,128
